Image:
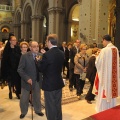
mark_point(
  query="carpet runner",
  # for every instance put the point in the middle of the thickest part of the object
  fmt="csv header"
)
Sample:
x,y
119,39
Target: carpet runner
x,y
110,114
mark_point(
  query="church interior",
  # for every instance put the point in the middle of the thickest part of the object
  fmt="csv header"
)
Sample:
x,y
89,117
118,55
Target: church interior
x,y
87,20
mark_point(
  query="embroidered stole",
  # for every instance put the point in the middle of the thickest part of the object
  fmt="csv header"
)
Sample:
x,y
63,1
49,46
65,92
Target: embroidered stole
x,y
114,77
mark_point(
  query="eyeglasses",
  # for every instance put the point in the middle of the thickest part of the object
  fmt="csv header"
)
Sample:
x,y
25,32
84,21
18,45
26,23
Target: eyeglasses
x,y
35,46
24,47
13,40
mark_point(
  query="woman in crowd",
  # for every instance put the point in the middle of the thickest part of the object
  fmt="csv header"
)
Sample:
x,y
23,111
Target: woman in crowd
x,y
24,48
10,61
91,73
81,61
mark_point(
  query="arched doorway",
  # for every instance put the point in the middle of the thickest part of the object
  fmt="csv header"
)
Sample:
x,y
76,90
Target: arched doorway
x,y
73,23
5,33
28,15
27,23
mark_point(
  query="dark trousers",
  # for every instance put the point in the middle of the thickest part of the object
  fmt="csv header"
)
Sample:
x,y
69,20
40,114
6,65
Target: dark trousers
x,y
36,97
53,104
79,84
72,80
66,64
89,95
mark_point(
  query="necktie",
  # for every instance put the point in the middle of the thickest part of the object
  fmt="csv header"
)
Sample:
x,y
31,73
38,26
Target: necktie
x,y
37,71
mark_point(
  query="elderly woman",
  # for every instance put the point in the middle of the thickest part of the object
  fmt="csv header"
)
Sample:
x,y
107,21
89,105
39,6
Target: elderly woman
x,y
24,47
81,60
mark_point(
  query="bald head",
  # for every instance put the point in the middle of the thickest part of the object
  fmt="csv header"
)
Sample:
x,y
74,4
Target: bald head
x,y
34,47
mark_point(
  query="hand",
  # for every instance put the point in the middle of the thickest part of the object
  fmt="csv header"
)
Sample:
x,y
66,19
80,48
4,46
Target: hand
x,y
30,81
84,70
38,57
43,51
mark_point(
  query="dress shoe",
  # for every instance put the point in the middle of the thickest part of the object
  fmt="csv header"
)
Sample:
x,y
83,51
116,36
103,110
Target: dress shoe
x,y
78,97
40,113
10,95
89,102
22,116
17,95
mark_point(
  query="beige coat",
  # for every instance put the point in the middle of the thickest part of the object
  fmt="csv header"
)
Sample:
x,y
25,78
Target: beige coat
x,y
79,62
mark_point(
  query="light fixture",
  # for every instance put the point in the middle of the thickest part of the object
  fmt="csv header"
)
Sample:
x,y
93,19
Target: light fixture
x,y
75,19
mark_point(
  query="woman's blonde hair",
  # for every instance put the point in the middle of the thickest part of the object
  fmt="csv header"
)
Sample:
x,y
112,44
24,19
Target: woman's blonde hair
x,y
26,43
82,46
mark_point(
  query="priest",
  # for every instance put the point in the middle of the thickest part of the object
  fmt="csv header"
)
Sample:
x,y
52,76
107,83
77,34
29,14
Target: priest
x,y
108,85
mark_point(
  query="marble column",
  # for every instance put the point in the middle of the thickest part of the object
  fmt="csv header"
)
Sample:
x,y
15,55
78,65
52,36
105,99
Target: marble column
x,y
117,32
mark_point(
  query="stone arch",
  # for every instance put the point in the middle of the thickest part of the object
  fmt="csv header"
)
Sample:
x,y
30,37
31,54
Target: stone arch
x,y
17,24
26,21
74,23
27,11
41,12
17,16
4,34
68,5
2,26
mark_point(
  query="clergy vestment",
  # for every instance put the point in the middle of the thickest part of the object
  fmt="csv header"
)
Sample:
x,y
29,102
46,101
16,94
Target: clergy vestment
x,y
107,64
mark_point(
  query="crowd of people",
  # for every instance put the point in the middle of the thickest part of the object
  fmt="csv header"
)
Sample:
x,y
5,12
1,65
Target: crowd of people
x,y
30,67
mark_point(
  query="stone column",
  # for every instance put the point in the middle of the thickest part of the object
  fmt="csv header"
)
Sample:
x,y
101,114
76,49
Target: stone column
x,y
24,29
40,32
69,31
102,16
117,33
54,20
37,28
17,31
13,5
34,27
85,21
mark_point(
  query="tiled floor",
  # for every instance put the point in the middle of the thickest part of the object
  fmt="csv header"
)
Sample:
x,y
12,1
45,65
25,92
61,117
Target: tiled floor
x,y
9,109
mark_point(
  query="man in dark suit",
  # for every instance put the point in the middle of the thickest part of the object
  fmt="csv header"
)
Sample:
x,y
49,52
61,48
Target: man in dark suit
x,y
66,57
51,67
75,49
30,80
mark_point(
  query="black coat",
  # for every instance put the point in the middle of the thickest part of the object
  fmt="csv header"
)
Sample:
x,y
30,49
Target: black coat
x,y
72,54
91,70
51,67
9,63
66,53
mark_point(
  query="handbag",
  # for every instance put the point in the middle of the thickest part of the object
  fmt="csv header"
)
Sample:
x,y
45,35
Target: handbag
x,y
83,76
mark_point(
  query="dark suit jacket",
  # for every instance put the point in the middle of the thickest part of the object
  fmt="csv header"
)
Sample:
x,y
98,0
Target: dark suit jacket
x,y
91,70
27,70
51,67
66,53
72,54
